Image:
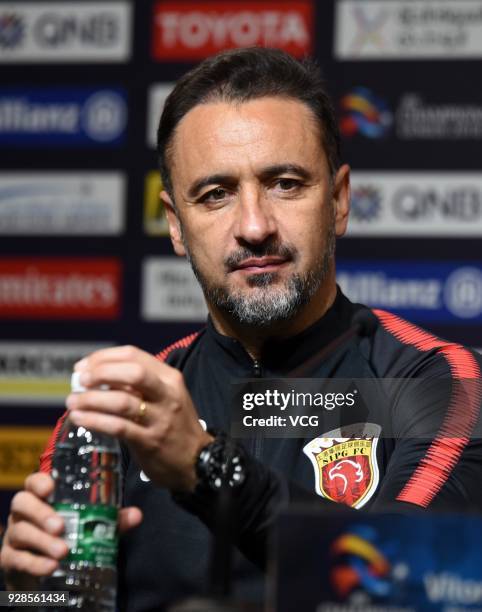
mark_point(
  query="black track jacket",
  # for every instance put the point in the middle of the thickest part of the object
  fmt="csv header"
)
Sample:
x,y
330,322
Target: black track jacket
x,y
166,557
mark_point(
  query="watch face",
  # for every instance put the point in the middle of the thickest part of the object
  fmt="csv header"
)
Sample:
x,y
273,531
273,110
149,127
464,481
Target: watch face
x,y
221,461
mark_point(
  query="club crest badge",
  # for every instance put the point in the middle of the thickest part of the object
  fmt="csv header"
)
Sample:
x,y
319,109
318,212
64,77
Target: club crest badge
x,y
345,463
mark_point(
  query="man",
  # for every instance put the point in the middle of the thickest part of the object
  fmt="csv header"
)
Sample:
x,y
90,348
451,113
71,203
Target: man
x,y
255,196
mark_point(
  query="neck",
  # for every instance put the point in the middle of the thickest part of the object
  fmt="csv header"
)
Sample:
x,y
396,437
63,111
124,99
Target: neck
x,y
253,338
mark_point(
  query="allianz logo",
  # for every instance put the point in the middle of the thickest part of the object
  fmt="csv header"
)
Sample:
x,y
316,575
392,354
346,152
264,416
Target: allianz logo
x,y
460,293
102,116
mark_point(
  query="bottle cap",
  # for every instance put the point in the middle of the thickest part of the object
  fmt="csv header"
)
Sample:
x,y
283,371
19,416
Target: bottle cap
x,y
75,385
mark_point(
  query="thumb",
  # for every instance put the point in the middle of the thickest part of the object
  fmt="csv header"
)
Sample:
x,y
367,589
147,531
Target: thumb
x,y
129,517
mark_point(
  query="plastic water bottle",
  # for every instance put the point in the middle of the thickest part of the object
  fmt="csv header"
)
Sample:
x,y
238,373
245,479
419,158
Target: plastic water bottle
x,y
86,469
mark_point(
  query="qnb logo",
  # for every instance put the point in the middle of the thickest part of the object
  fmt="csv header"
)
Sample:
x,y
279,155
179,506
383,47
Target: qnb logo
x,y
12,31
366,114
463,203
365,203
104,116
463,293
54,31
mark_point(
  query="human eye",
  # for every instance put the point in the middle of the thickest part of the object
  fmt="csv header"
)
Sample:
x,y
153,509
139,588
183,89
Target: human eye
x,y
214,196
287,185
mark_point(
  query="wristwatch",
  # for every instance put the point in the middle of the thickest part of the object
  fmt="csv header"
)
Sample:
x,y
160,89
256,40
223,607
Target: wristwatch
x,y
222,461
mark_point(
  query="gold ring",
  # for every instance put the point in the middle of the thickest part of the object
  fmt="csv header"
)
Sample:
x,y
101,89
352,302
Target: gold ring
x,y
142,412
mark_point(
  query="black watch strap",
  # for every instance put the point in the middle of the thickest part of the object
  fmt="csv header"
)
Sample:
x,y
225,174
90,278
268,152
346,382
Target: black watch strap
x,y
222,461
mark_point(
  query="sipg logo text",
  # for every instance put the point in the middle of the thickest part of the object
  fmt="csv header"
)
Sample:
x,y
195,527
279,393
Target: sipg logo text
x,y
192,32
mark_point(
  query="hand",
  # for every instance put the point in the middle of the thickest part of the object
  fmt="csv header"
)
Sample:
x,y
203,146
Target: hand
x,y
33,546
167,438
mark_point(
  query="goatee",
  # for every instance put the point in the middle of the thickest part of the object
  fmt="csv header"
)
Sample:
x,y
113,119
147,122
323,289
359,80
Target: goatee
x,y
270,302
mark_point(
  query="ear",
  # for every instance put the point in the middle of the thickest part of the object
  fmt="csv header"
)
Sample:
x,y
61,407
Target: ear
x,y
341,199
174,224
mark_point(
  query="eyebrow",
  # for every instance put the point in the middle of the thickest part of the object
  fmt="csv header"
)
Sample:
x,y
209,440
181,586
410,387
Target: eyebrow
x,y
213,179
272,171
231,181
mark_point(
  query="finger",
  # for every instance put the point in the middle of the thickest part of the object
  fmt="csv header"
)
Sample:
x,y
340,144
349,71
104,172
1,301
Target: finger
x,y
26,506
129,518
25,536
109,424
118,403
143,378
26,562
112,354
40,484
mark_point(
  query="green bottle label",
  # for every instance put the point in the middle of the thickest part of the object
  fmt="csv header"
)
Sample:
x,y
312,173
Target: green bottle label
x,y
90,533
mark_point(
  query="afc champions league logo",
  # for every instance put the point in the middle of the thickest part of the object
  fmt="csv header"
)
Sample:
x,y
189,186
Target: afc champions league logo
x,y
345,463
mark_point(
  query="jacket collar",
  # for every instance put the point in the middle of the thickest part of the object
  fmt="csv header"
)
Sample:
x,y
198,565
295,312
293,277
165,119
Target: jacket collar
x,y
280,356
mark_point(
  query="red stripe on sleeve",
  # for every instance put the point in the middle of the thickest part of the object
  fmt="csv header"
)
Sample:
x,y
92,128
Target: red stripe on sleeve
x,y
46,456
462,413
182,343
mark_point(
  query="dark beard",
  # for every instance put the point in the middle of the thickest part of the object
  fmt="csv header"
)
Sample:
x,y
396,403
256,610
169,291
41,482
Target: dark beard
x,y
271,306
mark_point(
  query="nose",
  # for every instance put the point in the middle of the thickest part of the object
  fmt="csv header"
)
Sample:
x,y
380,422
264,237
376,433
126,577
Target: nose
x,y
255,222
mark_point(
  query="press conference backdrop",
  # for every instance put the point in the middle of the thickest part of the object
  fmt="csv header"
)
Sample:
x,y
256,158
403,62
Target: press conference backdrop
x,y
85,259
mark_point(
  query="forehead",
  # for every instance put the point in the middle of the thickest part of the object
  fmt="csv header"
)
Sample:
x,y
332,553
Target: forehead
x,y
232,137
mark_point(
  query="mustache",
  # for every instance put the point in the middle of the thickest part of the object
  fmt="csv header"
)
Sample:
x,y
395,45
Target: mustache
x,y
266,249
